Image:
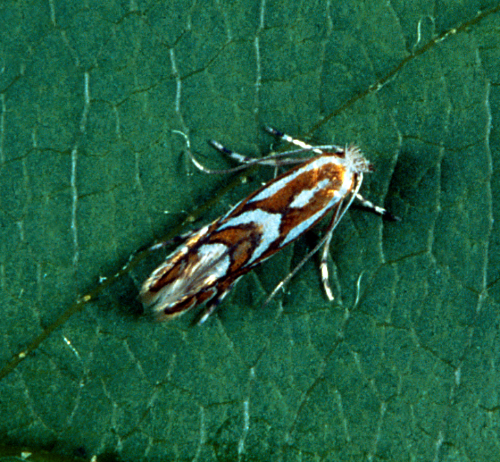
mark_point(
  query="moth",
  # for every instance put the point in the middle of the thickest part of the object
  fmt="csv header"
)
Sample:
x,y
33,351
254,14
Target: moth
x,y
211,260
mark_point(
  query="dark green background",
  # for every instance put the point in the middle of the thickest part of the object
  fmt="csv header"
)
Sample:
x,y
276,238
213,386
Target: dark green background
x,y
402,366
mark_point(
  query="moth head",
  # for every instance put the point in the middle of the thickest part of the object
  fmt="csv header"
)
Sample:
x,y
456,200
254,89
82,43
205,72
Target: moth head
x,y
356,160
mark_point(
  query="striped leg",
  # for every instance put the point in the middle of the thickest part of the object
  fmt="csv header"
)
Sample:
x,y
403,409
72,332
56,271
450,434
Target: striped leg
x,y
325,277
214,304
160,245
233,155
301,144
272,160
289,139
369,205
325,240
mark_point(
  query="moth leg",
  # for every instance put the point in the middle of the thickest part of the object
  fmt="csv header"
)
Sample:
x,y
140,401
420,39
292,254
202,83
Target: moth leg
x,y
160,245
329,233
369,205
272,160
214,303
240,158
304,260
325,278
175,240
210,308
294,141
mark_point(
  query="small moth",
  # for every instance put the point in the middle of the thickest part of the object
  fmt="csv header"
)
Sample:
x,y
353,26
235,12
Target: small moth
x,y
212,259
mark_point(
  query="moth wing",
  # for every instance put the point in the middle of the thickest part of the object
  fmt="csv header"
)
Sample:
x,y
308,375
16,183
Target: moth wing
x,y
191,270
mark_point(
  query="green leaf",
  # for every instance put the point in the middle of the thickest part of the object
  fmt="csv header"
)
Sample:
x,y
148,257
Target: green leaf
x,y
402,366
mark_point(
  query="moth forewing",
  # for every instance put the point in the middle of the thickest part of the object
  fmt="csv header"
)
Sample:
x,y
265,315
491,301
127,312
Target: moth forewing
x,y
175,285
